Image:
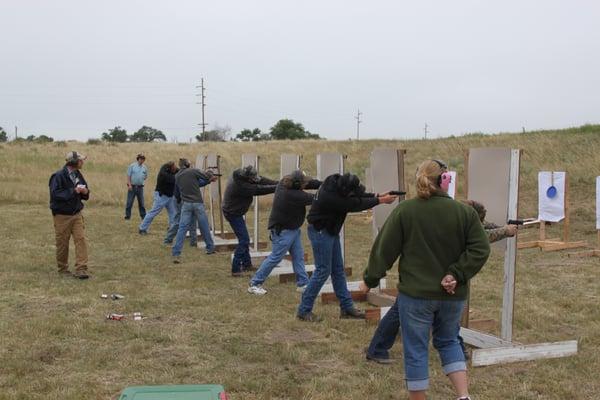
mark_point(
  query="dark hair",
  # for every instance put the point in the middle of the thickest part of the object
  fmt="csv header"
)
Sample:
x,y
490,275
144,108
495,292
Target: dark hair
x,y
348,184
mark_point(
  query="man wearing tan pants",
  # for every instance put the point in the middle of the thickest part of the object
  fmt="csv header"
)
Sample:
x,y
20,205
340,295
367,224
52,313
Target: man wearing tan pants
x,y
67,190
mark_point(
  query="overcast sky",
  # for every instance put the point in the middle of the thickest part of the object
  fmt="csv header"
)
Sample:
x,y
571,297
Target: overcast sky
x,y
72,69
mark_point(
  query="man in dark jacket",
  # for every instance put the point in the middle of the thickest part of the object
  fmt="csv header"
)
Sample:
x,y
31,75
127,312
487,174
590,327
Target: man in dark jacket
x,y
287,216
67,190
337,196
243,185
163,196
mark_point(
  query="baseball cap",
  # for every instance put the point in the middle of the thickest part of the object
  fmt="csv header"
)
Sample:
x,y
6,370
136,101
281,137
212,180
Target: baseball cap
x,y
73,156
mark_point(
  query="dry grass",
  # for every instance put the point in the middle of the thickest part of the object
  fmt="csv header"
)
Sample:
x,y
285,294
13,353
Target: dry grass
x,y
203,328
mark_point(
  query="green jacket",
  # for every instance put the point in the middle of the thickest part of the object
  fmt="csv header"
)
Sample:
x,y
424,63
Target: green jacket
x,y
433,238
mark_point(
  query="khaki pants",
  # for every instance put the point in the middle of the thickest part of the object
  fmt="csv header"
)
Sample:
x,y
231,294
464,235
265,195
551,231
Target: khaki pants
x,y
64,227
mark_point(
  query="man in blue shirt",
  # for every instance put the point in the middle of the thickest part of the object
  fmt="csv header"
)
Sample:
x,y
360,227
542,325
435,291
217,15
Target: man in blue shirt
x,y
136,175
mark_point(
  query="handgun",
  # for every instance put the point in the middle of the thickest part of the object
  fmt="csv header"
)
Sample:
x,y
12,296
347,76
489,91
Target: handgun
x,y
520,221
397,193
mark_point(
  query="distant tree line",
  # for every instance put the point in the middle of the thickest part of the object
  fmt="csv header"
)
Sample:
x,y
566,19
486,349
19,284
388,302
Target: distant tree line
x,y
284,129
30,138
144,134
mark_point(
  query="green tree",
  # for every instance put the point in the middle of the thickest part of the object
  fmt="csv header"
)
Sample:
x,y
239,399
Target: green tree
x,y
44,139
3,135
254,135
287,129
30,138
147,134
218,134
116,134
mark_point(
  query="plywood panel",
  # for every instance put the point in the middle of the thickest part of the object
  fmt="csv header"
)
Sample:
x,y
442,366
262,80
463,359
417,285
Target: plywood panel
x,y
252,159
289,163
488,182
551,209
387,173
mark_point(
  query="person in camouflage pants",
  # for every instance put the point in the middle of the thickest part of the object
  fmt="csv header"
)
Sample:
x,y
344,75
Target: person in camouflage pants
x,y
495,232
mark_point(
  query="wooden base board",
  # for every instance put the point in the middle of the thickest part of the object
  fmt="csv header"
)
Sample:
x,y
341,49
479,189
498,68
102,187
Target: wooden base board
x,y
589,253
551,245
374,315
508,354
382,298
259,256
352,286
327,298
228,244
291,277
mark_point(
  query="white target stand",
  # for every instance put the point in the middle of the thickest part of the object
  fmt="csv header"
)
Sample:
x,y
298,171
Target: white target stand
x,y
593,252
553,207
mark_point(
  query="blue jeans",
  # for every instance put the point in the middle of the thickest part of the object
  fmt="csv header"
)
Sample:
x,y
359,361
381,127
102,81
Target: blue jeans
x,y
174,227
136,191
327,253
419,317
160,202
241,255
189,212
286,240
385,334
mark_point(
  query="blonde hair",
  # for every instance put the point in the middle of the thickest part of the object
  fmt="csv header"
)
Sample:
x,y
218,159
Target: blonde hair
x,y
427,179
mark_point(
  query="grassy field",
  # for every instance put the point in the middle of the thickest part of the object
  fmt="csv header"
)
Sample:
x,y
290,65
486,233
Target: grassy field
x,y
202,326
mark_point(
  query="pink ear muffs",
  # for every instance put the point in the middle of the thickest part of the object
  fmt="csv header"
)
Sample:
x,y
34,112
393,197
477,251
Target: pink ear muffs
x,y
446,179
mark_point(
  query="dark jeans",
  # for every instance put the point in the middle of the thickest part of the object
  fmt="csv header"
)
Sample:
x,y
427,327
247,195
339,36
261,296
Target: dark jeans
x,y
385,334
327,253
241,255
136,191
388,330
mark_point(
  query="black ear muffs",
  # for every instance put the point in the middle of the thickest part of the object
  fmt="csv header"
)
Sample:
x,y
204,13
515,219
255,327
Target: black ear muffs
x,y
444,167
297,179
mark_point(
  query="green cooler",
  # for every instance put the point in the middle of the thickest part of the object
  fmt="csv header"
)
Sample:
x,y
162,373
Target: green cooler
x,y
175,392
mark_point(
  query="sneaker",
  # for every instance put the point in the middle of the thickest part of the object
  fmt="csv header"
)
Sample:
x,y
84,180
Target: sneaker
x,y
309,317
193,244
257,289
463,398
300,289
142,232
380,360
209,252
81,275
352,313
176,260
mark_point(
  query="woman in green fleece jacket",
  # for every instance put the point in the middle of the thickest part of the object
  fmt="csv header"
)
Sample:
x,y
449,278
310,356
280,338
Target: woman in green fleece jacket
x,y
441,245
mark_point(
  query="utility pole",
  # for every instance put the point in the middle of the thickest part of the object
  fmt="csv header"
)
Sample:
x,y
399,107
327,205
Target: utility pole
x,y
425,130
202,97
16,136
358,122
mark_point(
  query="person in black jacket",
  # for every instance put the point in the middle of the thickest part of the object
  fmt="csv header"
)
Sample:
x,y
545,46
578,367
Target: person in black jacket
x,y
67,190
163,196
243,185
337,196
287,216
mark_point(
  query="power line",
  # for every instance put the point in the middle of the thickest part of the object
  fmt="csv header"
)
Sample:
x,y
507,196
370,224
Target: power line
x,y
202,97
358,122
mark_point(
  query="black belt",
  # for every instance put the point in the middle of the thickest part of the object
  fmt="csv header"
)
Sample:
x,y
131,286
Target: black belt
x,y
137,185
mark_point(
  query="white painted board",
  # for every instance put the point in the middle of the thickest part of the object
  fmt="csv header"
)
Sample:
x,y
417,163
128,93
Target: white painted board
x,y
452,186
352,286
502,355
551,209
289,164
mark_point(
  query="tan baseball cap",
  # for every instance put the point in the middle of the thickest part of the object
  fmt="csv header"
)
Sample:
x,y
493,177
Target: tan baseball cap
x,y
73,156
